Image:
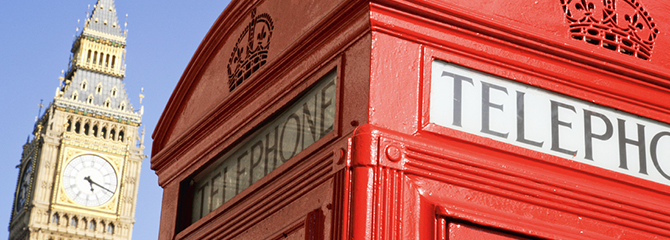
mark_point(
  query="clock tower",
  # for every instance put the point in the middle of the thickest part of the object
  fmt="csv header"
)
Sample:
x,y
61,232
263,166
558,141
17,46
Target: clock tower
x,y
79,174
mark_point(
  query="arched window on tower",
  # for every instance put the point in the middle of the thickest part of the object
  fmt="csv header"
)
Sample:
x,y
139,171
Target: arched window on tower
x,y
95,130
74,222
95,57
84,223
74,96
121,135
91,225
66,220
113,61
88,58
77,127
55,218
104,132
107,61
102,55
112,134
110,228
86,127
69,125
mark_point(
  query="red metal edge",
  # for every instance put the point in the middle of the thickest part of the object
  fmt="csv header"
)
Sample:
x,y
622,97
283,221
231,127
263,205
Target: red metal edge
x,y
363,160
513,223
536,184
415,17
248,208
439,36
595,198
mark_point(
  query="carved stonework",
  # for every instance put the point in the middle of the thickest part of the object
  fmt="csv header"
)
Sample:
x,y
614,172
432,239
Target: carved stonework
x,y
116,162
69,154
96,144
131,180
64,198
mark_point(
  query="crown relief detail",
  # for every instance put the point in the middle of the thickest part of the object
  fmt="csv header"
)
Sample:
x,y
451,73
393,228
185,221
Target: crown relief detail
x,y
248,56
624,26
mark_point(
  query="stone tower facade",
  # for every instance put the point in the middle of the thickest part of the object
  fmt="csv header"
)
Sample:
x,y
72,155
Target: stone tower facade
x,y
79,175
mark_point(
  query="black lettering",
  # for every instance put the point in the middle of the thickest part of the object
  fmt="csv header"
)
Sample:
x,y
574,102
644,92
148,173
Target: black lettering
x,y
297,137
654,157
253,164
623,162
202,193
589,135
486,107
225,180
240,171
555,123
214,191
520,122
458,94
309,123
271,148
324,109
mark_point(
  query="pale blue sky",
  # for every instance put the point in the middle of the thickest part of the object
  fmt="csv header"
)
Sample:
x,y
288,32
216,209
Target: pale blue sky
x,y
35,46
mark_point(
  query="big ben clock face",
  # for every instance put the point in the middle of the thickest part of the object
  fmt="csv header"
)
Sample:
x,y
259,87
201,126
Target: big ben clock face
x,y
89,180
24,185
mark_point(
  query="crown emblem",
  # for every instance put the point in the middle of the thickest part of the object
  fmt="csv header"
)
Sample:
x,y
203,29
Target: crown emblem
x,y
624,26
248,56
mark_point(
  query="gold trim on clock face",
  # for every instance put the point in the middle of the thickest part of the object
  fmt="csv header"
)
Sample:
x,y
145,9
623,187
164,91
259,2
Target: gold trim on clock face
x,y
89,180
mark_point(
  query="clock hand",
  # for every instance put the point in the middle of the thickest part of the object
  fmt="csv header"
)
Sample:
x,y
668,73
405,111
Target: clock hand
x,y
103,187
88,178
92,182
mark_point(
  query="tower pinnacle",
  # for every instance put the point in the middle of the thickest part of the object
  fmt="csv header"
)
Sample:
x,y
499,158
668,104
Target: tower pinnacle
x,y
104,20
94,80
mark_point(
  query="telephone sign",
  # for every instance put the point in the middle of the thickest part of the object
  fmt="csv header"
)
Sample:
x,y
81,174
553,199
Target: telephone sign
x,y
471,101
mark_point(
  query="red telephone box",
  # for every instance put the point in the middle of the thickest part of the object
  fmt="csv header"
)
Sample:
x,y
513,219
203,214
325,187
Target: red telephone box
x,y
424,119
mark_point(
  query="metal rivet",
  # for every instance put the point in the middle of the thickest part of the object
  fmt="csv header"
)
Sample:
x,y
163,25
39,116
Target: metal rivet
x,y
342,156
393,153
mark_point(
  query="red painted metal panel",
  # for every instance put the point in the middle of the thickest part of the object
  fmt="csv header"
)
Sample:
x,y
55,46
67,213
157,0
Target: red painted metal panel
x,y
458,231
502,190
443,178
400,175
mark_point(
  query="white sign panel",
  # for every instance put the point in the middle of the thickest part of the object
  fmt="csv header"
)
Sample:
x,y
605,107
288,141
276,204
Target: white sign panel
x,y
508,111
